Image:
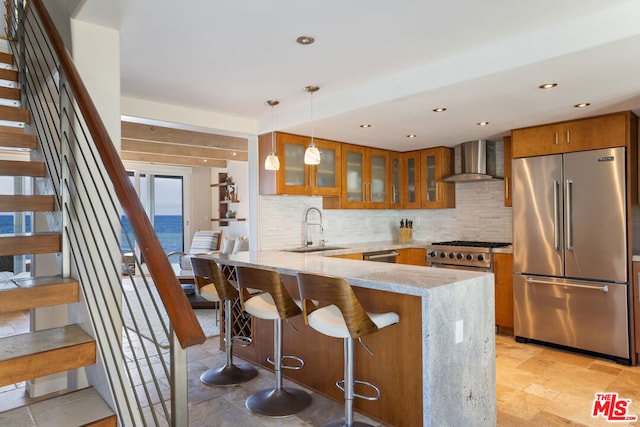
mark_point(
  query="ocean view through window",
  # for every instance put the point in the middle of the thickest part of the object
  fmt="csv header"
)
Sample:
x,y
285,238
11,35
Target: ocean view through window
x,y
162,198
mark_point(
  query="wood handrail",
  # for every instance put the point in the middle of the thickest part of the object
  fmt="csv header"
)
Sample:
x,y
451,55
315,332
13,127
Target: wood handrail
x,y
183,320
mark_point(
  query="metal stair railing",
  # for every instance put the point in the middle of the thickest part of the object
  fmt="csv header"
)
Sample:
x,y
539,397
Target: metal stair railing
x,y
142,327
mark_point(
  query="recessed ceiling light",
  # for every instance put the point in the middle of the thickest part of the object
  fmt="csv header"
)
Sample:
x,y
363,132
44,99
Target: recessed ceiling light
x,y
365,126
482,123
582,105
412,135
548,85
305,40
439,110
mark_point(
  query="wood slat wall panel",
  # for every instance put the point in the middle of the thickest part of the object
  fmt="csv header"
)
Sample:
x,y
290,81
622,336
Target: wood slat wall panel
x,y
172,160
150,147
181,136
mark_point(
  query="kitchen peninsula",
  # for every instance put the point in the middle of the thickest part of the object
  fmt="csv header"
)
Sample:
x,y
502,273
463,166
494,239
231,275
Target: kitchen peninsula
x,y
435,367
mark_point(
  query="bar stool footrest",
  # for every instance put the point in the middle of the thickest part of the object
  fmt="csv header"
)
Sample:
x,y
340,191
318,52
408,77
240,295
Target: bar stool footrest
x,y
283,366
240,341
340,385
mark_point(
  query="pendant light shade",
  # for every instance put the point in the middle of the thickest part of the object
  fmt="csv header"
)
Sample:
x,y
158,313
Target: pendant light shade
x,y
312,154
272,163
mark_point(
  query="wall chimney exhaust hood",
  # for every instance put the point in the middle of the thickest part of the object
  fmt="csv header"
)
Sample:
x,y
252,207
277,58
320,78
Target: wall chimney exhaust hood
x,y
476,161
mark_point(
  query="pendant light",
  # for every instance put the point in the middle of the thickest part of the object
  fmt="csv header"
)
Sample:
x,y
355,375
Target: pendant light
x,y
272,163
312,154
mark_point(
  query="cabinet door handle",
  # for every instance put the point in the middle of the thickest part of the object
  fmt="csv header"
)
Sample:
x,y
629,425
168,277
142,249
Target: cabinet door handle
x,y
556,135
506,187
568,137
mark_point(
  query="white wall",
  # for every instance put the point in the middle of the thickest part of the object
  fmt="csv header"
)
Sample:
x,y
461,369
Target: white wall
x,y
479,215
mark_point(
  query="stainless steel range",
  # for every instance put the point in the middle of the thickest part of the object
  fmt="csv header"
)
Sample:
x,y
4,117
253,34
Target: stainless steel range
x,y
463,255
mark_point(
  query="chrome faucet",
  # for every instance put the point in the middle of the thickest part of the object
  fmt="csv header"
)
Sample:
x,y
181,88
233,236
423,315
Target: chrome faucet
x,y
308,242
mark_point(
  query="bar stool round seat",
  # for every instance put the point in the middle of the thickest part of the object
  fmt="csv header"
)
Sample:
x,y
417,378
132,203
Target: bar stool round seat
x,y
273,303
214,287
330,307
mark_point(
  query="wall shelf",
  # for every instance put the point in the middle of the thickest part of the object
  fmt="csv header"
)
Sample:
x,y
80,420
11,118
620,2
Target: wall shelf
x,y
225,199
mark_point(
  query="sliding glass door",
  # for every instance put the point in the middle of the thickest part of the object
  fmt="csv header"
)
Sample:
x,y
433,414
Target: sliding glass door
x,y
163,198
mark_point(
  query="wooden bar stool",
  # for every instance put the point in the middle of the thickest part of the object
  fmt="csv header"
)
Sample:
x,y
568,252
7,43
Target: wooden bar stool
x,y
213,286
331,308
272,303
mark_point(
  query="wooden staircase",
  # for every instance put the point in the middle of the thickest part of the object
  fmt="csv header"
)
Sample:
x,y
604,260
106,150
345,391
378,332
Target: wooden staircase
x,y
31,355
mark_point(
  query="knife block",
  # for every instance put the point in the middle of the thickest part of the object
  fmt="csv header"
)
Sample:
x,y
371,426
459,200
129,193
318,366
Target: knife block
x,y
405,235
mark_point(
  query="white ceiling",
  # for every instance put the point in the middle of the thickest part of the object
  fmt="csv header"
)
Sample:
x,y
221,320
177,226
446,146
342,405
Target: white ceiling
x,y
385,63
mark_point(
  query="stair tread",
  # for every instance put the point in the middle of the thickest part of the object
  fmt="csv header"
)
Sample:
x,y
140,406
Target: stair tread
x,y
22,168
24,293
27,203
14,114
17,140
77,408
22,345
40,233
7,58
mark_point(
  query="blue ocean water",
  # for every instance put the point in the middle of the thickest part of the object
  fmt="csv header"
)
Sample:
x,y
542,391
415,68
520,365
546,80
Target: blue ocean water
x,y
6,224
168,229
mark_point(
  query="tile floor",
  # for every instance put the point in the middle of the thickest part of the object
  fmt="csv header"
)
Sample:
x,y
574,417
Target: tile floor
x,y
536,386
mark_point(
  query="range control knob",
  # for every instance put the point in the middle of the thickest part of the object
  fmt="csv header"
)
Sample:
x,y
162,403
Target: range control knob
x,y
442,254
469,257
480,257
460,256
432,254
452,255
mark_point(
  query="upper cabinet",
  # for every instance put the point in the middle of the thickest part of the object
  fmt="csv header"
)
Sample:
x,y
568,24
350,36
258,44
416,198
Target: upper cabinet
x,y
366,177
395,175
577,135
410,180
507,171
437,163
294,177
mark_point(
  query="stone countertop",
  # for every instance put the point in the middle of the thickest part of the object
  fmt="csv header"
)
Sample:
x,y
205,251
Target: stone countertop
x,y
635,258
383,245
398,278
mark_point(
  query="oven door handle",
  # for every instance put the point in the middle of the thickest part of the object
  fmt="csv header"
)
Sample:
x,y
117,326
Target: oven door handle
x,y
384,255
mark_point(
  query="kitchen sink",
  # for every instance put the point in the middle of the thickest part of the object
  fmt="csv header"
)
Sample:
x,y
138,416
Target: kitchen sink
x,y
314,249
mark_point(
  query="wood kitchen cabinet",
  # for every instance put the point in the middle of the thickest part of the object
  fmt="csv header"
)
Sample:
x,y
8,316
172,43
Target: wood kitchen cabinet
x,y
366,177
577,135
412,256
395,179
508,184
294,177
436,163
503,272
410,180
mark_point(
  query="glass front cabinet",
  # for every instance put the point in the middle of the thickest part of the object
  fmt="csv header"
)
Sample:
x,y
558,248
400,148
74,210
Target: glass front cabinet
x,y
366,177
294,177
437,163
410,180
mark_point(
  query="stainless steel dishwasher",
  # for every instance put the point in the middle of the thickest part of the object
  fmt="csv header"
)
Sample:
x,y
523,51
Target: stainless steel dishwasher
x,y
380,256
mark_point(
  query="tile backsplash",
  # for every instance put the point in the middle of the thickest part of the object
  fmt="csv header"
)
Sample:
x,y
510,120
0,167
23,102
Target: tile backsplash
x,y
479,215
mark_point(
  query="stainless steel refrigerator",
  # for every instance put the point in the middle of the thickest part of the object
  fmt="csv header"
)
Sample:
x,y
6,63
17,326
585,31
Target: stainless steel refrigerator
x,y
570,250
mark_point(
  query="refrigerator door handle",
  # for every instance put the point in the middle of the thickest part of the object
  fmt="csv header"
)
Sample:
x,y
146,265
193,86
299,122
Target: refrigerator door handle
x,y
569,225
556,215
604,288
